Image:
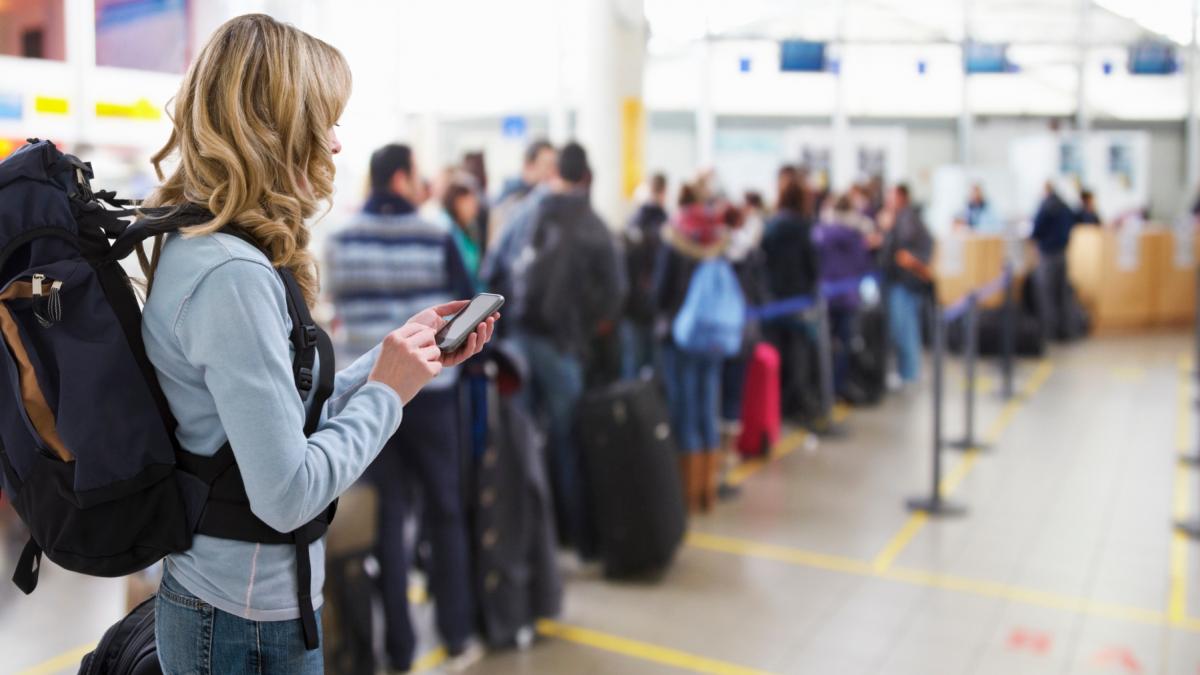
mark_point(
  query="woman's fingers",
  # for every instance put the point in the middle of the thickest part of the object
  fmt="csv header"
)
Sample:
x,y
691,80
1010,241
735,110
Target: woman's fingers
x,y
448,308
414,329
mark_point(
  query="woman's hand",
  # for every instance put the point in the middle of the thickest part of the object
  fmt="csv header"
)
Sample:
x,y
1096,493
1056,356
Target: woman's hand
x,y
408,360
432,317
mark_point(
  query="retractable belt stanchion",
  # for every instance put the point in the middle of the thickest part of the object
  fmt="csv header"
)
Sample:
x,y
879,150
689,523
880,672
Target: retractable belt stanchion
x,y
934,504
971,354
1008,335
826,426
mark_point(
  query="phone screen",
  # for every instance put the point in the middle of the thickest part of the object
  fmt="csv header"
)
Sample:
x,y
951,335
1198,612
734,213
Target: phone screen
x,y
462,324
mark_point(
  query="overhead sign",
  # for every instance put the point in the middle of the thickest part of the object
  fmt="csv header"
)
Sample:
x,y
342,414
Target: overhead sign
x,y
142,109
514,126
801,56
10,106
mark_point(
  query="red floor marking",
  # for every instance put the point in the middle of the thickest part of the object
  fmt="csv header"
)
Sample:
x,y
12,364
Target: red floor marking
x,y
1022,639
1119,656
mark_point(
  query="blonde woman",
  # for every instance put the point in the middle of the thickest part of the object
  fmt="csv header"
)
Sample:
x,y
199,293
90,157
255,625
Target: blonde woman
x,y
254,138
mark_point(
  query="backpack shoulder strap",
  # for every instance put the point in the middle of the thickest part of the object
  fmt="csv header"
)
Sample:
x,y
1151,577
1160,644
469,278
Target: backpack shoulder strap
x,y
154,221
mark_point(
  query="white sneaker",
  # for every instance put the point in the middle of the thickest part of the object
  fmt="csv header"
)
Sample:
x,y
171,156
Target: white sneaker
x,y
894,382
473,653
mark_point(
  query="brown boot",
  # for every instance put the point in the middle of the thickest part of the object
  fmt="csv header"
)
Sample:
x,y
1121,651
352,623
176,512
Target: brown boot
x,y
687,479
709,464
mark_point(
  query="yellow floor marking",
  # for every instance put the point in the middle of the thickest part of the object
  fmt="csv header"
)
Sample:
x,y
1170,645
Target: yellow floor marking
x,y
887,556
946,582
641,650
840,412
68,660
784,447
1129,373
1177,596
832,563
430,661
951,481
1185,363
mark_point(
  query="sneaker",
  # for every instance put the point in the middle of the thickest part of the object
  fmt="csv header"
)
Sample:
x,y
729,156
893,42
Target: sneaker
x,y
525,637
465,657
894,382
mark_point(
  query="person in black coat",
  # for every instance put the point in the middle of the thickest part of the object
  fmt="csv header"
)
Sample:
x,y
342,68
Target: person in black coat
x,y
792,270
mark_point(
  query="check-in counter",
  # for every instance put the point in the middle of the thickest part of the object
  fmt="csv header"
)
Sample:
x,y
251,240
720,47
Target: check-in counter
x,y
1133,279
965,261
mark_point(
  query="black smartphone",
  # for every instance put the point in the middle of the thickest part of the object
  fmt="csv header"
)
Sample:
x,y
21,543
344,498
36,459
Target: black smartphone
x,y
460,326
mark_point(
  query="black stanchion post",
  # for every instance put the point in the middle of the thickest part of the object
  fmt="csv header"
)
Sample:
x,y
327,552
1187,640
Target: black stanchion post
x,y
1008,335
970,357
934,504
826,426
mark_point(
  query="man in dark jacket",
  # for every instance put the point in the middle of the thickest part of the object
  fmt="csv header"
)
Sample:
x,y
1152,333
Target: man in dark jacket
x,y
906,254
1052,232
567,288
643,240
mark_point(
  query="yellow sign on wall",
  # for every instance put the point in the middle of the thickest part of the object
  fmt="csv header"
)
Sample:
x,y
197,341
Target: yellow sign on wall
x,y
633,145
51,105
140,110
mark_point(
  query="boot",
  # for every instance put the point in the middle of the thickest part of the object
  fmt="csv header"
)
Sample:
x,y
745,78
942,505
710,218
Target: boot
x,y
687,478
707,479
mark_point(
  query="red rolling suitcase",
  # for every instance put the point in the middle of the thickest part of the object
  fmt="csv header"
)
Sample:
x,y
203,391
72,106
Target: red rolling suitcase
x,y
760,403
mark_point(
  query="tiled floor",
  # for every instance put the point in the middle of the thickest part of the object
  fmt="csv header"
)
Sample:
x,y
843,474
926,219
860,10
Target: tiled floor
x,y
1061,565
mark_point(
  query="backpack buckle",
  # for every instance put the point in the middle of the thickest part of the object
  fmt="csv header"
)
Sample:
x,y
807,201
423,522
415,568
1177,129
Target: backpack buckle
x,y
308,335
304,379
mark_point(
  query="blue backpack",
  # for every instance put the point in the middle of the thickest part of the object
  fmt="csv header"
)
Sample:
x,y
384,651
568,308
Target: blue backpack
x,y
713,316
88,454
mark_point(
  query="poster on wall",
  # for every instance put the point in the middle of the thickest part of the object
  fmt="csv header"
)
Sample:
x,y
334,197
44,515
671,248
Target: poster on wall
x,y
872,161
1070,159
143,34
1120,163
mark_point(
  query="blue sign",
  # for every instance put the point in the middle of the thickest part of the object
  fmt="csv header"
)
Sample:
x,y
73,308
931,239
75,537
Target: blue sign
x,y
1108,68
744,64
10,107
980,57
921,67
800,56
514,126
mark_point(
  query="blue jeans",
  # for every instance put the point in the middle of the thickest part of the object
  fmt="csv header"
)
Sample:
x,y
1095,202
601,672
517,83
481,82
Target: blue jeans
x,y
555,387
426,450
195,638
693,395
733,383
639,349
904,323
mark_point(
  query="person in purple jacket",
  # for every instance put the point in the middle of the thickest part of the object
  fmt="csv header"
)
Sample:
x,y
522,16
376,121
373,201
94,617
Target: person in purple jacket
x,y
843,257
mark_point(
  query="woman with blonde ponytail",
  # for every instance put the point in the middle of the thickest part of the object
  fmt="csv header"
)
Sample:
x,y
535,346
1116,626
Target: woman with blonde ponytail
x,y
252,148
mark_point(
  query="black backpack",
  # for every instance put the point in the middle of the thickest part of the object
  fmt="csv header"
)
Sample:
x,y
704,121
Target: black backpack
x,y
128,648
88,454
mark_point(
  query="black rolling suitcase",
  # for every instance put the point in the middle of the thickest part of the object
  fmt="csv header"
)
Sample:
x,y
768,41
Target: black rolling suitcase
x,y
128,648
632,470
867,377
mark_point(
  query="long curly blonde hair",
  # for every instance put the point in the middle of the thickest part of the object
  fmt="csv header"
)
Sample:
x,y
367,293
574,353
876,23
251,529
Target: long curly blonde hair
x,y
251,131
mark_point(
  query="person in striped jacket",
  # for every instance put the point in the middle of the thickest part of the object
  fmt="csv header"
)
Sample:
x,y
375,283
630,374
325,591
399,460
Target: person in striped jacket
x,y
385,266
